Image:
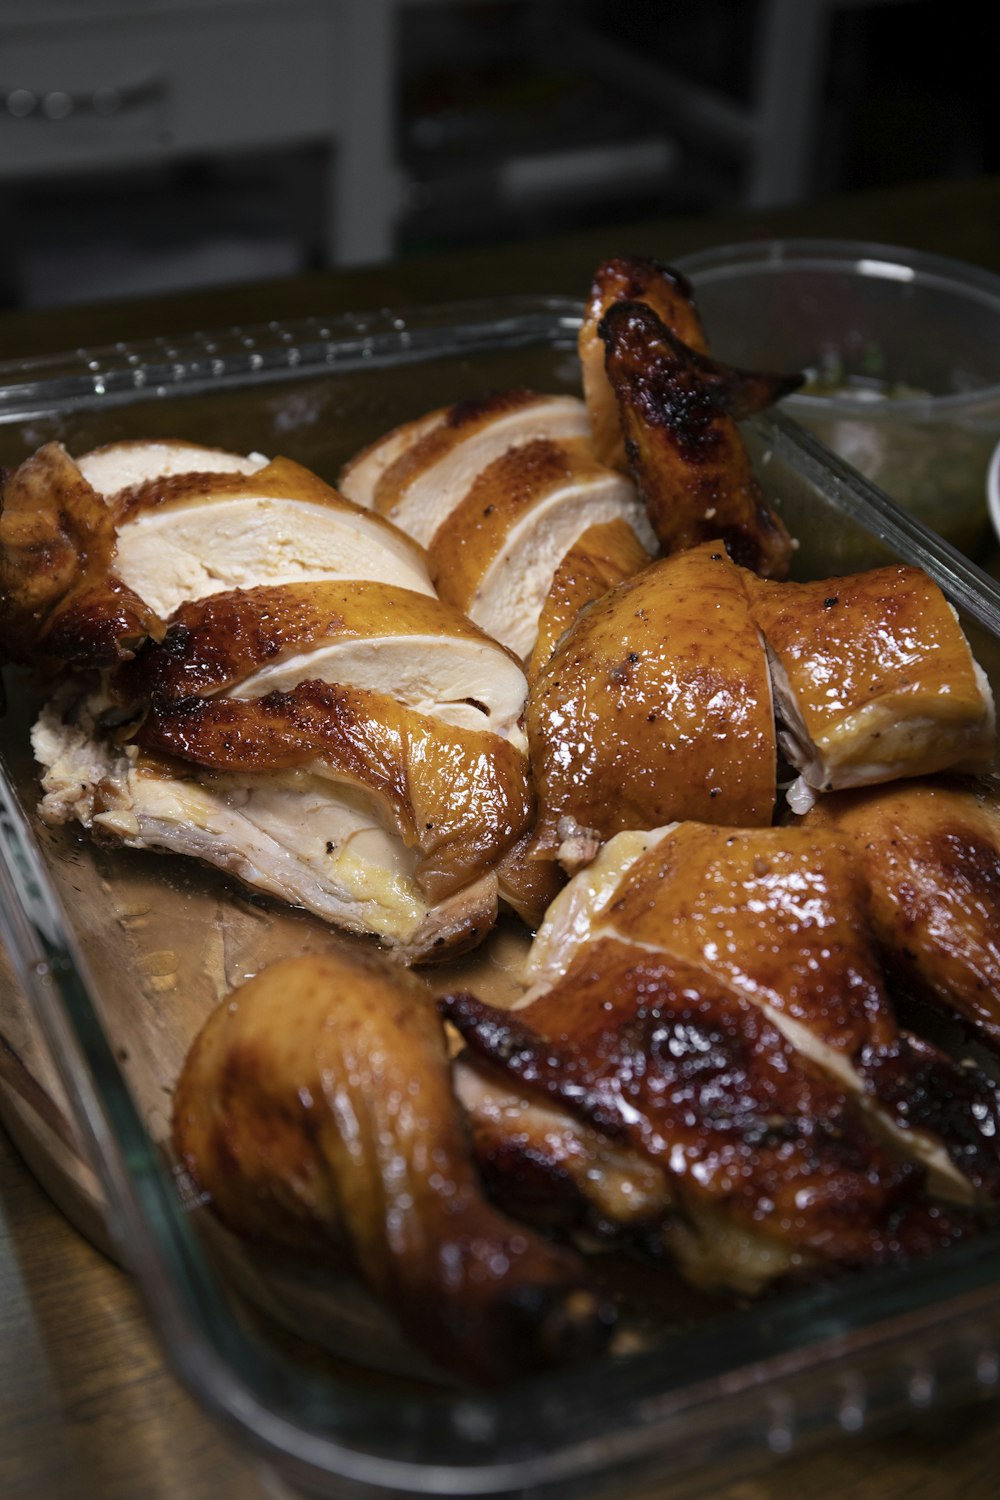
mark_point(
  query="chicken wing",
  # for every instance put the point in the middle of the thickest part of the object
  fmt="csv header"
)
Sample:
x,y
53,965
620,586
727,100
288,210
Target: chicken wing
x,y
678,413
628,279
60,600
316,1109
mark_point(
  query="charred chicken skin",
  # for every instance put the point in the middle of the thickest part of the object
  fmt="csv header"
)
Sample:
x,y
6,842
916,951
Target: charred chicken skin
x,y
678,412
695,1078
316,1110
628,279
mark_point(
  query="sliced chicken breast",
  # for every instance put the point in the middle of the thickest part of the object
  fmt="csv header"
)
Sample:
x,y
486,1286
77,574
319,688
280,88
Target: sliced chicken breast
x,y
293,835
360,476
460,796
416,649
496,553
421,488
124,465
190,536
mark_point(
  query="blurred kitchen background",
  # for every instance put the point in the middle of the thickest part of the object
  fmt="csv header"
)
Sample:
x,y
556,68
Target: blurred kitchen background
x,y
153,145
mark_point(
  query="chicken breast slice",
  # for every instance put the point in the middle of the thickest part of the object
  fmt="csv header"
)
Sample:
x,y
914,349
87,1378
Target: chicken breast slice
x,y
121,466
421,488
360,476
299,837
187,536
496,554
414,648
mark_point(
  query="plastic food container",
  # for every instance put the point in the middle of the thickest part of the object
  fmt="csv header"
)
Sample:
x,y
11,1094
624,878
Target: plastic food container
x,y
116,956
902,352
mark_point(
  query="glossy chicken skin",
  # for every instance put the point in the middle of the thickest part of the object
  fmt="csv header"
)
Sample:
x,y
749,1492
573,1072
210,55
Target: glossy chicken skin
x,y
602,557
780,917
419,650
459,796
316,1109
678,413
874,678
626,278
59,598
930,852
656,705
698,1080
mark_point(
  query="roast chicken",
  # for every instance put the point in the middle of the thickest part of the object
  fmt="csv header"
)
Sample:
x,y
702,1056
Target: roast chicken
x,y
315,1110
528,637
291,701
682,991
874,679
498,491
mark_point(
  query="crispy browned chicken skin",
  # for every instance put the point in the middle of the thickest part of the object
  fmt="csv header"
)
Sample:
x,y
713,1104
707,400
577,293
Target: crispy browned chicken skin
x,y
678,411
930,852
316,1110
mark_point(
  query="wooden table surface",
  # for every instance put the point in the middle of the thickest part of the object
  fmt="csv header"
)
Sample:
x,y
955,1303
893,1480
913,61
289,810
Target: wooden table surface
x,y
87,1409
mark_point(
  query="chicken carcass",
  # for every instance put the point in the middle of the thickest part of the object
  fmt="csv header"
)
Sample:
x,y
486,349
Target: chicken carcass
x,y
315,1109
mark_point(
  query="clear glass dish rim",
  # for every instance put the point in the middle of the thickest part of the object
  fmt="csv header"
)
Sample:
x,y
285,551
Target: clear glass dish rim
x,y
862,256
451,1443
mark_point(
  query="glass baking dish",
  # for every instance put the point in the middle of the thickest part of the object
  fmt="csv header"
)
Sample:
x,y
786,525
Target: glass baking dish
x,y
95,938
